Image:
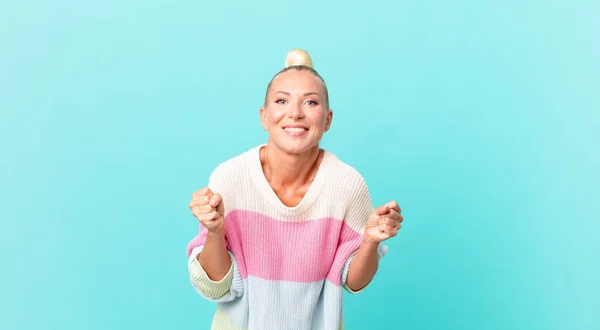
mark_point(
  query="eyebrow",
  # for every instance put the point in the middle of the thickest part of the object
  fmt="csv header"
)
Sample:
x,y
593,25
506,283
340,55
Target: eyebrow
x,y
305,94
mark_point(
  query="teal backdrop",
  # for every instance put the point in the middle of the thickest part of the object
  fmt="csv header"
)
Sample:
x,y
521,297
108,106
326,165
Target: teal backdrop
x,y
480,118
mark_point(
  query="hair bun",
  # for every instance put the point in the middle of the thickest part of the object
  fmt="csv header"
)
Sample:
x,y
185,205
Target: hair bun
x,y
298,57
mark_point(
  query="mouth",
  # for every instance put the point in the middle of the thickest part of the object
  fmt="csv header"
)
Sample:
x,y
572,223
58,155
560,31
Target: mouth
x,y
295,130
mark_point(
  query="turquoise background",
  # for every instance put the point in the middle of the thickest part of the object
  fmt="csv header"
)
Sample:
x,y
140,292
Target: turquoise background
x,y
481,119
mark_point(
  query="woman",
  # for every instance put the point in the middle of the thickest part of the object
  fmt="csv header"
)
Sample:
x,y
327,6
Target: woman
x,y
286,225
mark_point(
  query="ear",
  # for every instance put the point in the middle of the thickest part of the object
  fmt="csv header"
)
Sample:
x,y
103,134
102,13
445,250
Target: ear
x,y
328,120
263,118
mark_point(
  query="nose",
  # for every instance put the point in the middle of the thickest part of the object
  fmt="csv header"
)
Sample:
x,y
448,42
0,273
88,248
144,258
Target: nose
x,y
296,112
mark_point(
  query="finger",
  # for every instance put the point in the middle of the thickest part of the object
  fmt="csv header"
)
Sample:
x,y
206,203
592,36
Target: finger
x,y
389,230
396,218
215,200
202,200
391,219
393,214
205,192
385,220
394,223
386,228
199,204
206,218
393,205
202,192
382,210
203,209
197,194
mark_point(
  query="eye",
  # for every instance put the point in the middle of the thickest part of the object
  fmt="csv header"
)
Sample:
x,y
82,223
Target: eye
x,y
280,101
312,103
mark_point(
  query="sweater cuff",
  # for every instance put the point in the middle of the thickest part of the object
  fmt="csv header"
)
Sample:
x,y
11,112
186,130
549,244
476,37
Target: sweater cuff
x,y
381,252
200,280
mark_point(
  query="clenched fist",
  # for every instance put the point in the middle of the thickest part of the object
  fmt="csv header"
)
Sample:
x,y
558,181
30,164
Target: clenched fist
x,y
208,208
384,222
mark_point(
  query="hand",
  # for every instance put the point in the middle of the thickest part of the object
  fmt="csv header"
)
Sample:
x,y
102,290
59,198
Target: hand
x,y
208,208
383,223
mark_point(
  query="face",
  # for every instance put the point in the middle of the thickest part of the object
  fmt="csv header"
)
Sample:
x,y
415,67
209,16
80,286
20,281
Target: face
x,y
296,113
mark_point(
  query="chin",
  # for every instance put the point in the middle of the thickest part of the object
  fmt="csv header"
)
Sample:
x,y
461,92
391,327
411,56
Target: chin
x,y
295,146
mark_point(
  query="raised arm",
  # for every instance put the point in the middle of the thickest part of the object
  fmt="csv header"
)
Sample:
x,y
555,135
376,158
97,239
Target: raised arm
x,y
208,208
382,224
212,267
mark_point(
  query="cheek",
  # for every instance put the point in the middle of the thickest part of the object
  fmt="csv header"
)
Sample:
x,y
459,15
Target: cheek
x,y
318,118
273,116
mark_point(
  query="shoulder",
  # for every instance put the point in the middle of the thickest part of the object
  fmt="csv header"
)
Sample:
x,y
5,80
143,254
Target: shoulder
x,y
232,169
350,181
350,190
229,166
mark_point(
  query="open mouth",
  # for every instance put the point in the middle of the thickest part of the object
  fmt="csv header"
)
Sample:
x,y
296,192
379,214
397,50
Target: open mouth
x,y
295,130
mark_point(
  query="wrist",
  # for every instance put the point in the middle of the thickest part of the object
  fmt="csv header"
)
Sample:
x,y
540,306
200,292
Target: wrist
x,y
369,244
216,235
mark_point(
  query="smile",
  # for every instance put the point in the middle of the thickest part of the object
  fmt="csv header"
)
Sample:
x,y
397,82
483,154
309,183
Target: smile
x,y
295,130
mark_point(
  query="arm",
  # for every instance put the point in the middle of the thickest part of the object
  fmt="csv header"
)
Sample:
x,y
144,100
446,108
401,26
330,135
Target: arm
x,y
214,272
212,268
214,257
363,266
228,288
382,224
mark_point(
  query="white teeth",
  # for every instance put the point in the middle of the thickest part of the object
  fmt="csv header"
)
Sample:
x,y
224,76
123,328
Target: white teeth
x,y
295,129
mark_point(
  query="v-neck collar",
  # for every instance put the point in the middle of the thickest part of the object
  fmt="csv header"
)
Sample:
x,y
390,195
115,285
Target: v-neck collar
x,y
267,191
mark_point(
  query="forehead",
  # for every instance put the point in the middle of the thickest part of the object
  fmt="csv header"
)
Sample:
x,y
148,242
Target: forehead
x,y
296,80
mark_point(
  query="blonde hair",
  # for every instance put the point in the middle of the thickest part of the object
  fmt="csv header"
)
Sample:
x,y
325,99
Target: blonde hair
x,y
299,59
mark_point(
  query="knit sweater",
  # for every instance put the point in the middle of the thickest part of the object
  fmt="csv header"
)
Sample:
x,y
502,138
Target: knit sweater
x,y
289,264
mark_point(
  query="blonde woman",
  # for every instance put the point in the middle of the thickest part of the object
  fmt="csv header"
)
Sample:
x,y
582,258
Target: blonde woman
x,y
286,226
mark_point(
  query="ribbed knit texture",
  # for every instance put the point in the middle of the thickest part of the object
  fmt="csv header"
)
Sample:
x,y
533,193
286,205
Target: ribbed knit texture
x,y
289,264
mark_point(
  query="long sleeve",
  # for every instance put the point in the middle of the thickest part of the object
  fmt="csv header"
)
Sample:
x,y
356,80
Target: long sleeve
x,y
226,289
380,253
230,286
289,265
360,207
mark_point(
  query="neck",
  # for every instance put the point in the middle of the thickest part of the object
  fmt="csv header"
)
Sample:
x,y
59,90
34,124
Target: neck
x,y
283,169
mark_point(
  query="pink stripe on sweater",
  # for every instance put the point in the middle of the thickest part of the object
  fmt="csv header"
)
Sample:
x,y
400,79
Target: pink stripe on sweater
x,y
304,251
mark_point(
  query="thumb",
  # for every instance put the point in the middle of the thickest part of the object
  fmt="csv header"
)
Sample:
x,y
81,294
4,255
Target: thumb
x,y
206,192
393,205
215,200
382,210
